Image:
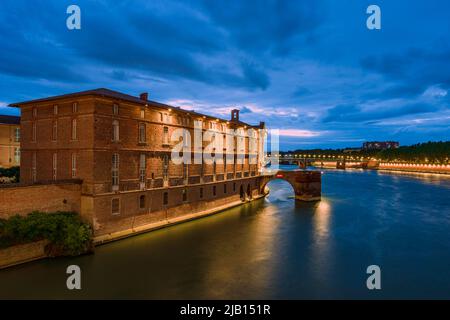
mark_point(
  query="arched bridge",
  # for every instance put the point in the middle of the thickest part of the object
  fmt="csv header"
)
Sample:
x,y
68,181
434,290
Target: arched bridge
x,y
307,184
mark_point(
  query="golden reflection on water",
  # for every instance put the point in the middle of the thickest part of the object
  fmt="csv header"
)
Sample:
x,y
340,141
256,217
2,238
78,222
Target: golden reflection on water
x,y
256,251
321,249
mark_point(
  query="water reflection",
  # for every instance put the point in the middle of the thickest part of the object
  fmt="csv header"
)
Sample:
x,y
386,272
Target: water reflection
x,y
275,248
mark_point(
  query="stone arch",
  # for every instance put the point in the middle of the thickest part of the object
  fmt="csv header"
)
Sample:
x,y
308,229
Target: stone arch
x,y
264,184
306,184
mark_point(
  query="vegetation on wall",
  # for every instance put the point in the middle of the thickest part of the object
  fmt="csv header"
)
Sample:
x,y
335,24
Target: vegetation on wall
x,y
66,233
10,175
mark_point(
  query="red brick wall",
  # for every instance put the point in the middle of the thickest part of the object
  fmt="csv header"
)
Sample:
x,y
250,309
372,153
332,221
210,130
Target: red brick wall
x,y
47,198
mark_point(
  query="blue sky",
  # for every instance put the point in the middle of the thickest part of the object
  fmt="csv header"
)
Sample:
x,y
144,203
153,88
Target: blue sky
x,y
309,68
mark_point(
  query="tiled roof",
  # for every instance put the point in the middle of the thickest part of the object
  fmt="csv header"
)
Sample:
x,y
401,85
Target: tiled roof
x,y
4,119
120,96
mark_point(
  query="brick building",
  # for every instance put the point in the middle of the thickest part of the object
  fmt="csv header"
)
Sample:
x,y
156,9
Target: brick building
x,y
120,146
9,141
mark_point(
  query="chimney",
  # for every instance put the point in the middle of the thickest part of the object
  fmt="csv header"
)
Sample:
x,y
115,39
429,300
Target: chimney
x,y
143,96
235,115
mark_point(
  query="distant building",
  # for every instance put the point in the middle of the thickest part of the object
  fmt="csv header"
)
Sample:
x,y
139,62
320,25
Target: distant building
x,y
9,141
380,145
350,150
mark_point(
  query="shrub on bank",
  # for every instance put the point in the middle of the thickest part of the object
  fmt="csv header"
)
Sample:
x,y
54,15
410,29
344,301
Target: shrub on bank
x,y
66,233
9,175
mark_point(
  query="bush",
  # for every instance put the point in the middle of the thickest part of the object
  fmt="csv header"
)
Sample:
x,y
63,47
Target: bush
x,y
67,234
12,173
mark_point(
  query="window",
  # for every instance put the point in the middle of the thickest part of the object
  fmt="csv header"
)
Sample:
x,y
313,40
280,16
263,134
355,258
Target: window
x,y
214,167
17,134
74,165
142,113
75,107
142,133
34,113
115,206
16,155
142,169
185,171
161,117
55,130
165,167
165,198
33,134
115,131
74,129
33,168
55,109
184,195
55,165
115,109
142,202
214,191
225,188
115,170
166,135
234,186
201,193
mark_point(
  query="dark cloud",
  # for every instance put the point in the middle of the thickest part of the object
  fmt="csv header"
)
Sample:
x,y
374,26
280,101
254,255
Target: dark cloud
x,y
351,113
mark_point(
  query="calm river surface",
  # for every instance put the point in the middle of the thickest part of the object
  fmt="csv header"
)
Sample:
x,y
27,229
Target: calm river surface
x,y
276,248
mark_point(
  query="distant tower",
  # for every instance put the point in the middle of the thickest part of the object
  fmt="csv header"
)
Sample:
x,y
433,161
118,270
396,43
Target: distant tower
x,y
235,115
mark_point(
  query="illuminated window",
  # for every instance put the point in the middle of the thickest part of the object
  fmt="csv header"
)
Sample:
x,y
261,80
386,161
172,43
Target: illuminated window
x,y
16,155
115,170
142,169
74,129
74,165
17,134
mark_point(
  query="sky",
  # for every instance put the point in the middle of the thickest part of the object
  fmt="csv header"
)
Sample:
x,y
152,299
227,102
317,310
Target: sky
x,y
311,69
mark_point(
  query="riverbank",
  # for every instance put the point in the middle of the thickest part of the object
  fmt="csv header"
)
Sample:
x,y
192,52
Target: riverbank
x,y
23,253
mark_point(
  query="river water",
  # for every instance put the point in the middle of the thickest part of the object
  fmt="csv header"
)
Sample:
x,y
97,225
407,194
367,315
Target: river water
x,y
276,248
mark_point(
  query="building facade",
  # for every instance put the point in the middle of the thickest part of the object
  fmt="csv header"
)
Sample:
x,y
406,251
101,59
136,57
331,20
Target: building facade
x,y
9,141
121,147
